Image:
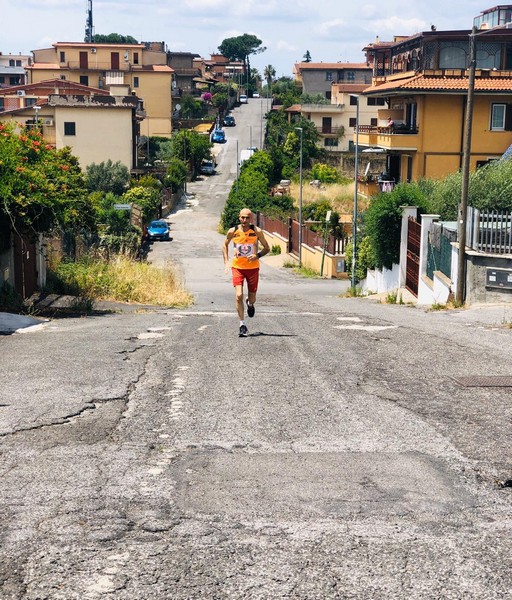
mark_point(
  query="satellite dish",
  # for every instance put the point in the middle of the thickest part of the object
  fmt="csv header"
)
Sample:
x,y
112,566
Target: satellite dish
x,y
177,108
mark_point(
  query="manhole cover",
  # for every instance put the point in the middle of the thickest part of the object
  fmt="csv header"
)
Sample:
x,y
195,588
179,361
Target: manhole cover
x,y
491,381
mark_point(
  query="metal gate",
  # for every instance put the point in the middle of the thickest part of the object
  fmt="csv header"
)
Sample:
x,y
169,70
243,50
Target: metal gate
x,y
412,273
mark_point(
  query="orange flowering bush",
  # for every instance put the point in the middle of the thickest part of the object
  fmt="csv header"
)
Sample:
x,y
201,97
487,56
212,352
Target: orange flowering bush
x,y
41,189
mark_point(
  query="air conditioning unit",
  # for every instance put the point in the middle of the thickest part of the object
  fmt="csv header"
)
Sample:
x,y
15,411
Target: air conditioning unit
x,y
48,122
93,50
20,92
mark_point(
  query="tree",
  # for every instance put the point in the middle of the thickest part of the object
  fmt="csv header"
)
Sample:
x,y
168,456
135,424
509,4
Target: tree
x,y
41,188
269,74
113,38
176,174
192,148
241,47
307,57
107,177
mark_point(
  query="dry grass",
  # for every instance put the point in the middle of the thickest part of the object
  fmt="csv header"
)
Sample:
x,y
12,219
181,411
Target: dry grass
x,y
340,196
121,280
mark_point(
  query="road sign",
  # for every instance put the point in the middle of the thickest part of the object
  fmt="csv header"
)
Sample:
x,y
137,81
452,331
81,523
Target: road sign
x,y
122,206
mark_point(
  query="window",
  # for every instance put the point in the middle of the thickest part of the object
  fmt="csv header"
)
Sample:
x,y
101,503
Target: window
x,y
84,79
69,128
18,63
328,76
453,55
353,100
2,79
63,77
12,63
135,58
351,76
62,57
498,112
14,80
331,142
373,122
2,105
135,82
30,101
328,95
352,122
376,101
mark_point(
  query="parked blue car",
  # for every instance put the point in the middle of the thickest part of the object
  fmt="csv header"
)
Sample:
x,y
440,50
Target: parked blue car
x,y
218,136
158,230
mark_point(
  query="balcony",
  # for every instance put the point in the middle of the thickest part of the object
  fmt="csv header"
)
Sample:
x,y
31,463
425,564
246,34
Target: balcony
x,y
93,65
382,137
330,129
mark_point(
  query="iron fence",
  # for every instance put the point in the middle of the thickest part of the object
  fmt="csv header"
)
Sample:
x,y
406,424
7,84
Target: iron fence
x,y
490,231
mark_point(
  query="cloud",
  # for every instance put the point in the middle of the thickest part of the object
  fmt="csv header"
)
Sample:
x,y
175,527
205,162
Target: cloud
x,y
286,46
330,29
396,26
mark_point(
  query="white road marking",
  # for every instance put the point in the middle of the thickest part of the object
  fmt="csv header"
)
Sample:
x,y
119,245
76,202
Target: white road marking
x,y
149,336
367,327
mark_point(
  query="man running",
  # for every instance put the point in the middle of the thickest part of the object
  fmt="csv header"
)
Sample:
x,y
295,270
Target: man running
x,y
245,263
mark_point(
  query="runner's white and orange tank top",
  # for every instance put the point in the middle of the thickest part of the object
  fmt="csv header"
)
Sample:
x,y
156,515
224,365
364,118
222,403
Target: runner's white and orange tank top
x,y
245,244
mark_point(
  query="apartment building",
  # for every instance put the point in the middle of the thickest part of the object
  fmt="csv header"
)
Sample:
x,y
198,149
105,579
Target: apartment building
x,y
141,69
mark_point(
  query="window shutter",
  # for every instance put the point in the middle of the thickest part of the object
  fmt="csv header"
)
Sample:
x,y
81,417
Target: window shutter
x,y
508,117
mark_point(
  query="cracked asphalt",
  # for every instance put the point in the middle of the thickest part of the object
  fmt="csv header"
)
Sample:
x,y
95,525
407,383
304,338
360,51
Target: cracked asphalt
x,y
155,455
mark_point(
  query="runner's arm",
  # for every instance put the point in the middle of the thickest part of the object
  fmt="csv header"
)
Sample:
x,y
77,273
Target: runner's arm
x,y
225,246
263,241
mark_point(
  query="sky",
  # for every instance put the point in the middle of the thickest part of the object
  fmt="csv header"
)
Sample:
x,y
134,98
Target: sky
x,y
332,30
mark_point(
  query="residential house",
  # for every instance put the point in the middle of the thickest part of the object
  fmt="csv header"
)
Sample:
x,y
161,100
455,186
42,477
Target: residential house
x,y
141,69
336,122
317,78
423,80
185,72
12,69
222,70
96,125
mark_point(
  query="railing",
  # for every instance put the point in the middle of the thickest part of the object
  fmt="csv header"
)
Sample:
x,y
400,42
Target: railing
x,y
290,232
439,254
92,65
329,129
490,231
397,129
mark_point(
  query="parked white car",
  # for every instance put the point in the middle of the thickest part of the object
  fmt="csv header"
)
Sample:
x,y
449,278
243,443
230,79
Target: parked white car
x,y
243,99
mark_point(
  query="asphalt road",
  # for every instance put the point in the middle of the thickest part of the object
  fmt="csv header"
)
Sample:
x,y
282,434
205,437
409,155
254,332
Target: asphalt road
x,y
332,454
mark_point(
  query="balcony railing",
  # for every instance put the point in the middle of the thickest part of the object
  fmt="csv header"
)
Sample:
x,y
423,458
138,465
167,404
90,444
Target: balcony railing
x,y
93,65
396,130
330,129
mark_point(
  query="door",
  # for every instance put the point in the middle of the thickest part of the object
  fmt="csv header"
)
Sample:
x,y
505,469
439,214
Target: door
x,y
114,60
84,60
326,124
412,271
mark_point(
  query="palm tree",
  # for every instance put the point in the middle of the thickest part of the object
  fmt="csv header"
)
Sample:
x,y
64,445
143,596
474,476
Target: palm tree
x,y
269,74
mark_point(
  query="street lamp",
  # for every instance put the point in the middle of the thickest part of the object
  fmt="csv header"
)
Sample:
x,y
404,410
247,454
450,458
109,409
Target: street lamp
x,y
354,217
300,197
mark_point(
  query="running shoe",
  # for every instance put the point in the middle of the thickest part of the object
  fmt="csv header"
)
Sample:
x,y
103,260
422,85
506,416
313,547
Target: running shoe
x,y
243,331
250,308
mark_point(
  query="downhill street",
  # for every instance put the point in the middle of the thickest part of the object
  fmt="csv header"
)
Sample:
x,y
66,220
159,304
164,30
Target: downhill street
x,y
153,454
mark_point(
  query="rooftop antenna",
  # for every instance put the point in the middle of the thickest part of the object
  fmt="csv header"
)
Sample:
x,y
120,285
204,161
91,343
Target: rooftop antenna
x,y
88,24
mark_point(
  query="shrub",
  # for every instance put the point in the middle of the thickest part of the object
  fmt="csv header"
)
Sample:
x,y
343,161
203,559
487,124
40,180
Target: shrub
x,y
383,221
324,173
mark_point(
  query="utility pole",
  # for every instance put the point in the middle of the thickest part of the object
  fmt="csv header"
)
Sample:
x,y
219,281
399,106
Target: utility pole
x,y
463,207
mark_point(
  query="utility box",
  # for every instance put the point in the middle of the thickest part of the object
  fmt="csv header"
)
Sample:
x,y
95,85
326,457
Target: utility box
x,y
498,278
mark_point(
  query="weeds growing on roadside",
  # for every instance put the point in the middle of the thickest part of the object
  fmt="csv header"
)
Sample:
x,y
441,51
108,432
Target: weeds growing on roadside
x,y
120,279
